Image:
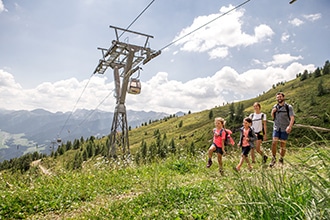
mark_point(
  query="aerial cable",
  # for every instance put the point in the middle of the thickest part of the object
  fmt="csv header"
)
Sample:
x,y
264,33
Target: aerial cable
x,y
71,113
227,12
90,114
137,17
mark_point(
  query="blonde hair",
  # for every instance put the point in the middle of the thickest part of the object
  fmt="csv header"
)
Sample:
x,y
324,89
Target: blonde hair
x,y
223,122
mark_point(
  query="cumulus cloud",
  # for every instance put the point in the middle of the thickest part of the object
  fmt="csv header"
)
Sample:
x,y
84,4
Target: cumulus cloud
x,y
158,94
2,7
213,35
296,22
280,59
313,17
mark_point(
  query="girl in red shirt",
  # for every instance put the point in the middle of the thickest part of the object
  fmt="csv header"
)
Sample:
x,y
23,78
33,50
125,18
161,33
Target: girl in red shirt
x,y
217,145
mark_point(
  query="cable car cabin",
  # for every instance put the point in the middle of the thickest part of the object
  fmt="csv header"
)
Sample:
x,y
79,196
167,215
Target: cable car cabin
x,y
134,86
59,140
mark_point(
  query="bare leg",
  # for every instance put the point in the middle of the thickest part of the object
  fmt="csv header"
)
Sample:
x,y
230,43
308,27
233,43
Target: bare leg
x,y
253,155
210,153
241,161
248,162
274,150
274,146
220,163
283,148
258,146
211,150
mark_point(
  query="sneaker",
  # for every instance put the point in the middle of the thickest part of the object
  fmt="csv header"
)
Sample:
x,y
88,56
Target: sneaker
x,y
209,163
236,169
264,160
281,160
272,163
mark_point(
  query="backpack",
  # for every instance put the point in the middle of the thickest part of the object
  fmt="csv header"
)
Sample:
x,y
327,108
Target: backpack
x,y
287,111
228,139
262,118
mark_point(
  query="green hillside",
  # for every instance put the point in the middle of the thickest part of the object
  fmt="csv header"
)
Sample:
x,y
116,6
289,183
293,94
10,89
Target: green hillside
x,y
166,178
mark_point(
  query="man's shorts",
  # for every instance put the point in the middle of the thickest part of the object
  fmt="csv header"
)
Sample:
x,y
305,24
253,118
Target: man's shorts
x,y
260,135
282,135
246,150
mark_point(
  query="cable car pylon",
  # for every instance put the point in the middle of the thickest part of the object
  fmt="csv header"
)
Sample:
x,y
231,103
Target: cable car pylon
x,y
124,59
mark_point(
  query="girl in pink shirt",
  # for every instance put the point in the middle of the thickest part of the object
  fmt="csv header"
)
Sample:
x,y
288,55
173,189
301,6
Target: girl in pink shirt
x,y
247,138
218,143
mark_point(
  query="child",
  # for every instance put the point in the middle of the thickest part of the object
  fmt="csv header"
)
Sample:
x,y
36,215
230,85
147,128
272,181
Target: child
x,y
218,143
247,138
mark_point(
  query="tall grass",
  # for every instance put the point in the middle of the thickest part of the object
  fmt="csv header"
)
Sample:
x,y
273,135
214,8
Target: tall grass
x,y
179,187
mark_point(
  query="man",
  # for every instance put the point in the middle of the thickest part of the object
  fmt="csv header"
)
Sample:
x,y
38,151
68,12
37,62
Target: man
x,y
283,116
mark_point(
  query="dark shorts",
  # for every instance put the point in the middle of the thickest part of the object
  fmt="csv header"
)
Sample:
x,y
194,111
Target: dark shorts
x,y
260,135
246,150
282,135
218,149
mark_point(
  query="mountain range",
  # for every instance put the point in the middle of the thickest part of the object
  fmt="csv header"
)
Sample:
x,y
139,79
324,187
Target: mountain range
x,y
40,130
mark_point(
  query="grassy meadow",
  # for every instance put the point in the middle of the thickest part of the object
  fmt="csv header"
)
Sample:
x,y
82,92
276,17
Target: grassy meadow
x,y
179,187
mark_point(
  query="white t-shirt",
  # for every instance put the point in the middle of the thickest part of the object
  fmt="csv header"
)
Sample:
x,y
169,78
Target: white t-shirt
x,y
257,121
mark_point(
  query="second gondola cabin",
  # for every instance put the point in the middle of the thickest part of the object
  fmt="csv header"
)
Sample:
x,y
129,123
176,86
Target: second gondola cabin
x,y
134,86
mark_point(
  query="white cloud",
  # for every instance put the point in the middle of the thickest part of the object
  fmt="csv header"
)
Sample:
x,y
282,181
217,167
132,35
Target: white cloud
x,y
285,37
2,7
219,52
220,34
313,17
280,59
158,94
296,22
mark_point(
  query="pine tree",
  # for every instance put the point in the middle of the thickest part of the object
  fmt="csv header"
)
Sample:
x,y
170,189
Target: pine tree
x,y
326,68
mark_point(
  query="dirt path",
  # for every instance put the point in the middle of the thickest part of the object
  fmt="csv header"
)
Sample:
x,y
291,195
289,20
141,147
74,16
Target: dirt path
x,y
42,168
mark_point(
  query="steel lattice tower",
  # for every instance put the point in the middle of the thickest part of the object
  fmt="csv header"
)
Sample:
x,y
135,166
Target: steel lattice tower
x,y
124,59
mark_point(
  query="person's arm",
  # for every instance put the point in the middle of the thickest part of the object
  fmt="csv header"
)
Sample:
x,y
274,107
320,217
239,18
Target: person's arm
x,y
265,127
289,128
223,146
273,112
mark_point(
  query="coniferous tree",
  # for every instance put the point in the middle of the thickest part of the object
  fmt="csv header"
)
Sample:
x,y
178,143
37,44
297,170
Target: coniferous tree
x,y
232,113
192,149
326,68
317,73
240,113
304,76
144,150
77,163
320,89
211,114
180,124
172,146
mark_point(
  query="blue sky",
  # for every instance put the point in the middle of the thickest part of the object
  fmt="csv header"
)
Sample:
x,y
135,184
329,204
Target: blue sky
x,y
48,51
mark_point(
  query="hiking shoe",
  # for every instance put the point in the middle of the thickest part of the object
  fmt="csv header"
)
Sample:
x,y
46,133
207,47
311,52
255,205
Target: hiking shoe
x,y
281,160
209,163
264,159
272,163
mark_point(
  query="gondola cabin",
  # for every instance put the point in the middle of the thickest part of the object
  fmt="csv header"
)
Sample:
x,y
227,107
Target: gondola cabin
x,y
134,86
